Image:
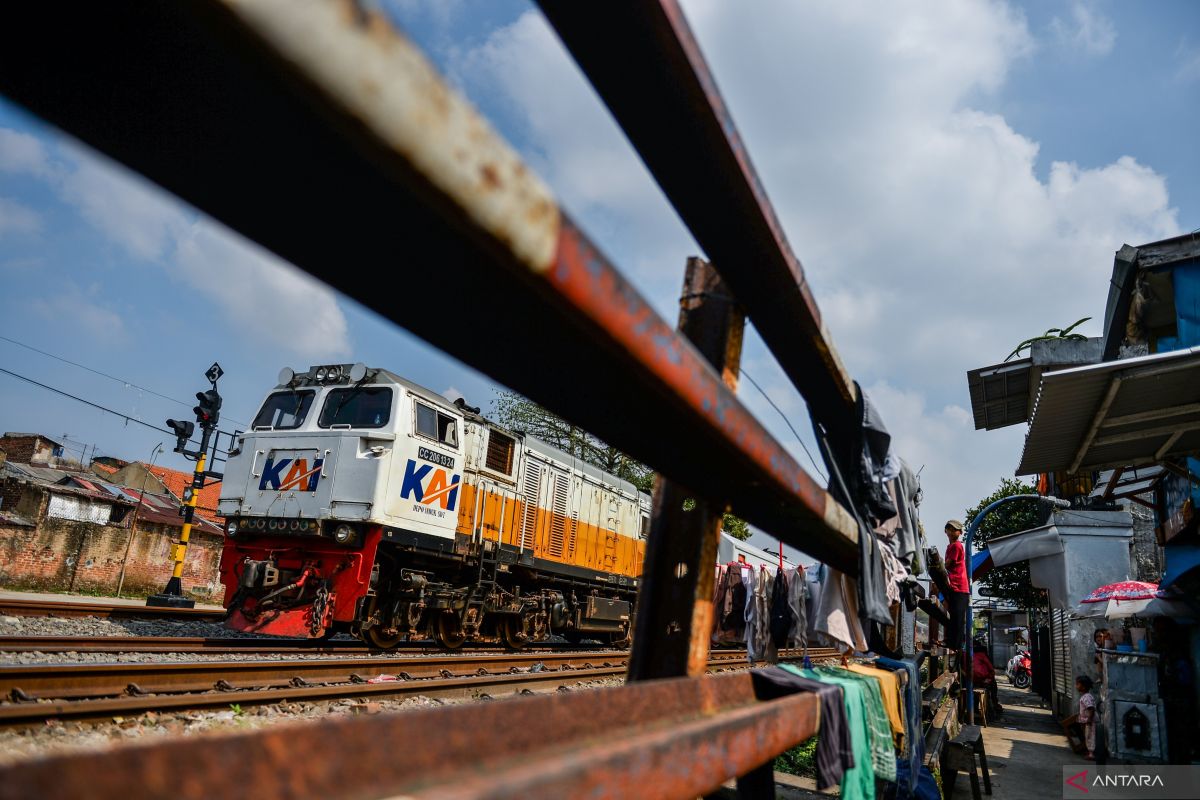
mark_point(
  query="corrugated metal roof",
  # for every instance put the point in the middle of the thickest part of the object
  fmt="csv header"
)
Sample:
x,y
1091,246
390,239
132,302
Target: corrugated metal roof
x,y
1129,482
1117,414
1000,394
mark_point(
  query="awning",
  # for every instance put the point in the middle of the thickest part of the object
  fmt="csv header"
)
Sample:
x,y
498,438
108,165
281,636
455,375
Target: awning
x,y
1117,414
1000,394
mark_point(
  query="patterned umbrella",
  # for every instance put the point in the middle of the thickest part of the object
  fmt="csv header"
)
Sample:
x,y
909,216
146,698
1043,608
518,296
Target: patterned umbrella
x,y
1122,592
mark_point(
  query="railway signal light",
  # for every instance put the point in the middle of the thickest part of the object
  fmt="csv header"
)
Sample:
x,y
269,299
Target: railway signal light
x,y
208,408
183,432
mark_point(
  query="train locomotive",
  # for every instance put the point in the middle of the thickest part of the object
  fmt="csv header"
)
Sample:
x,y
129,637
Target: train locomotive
x,y
361,502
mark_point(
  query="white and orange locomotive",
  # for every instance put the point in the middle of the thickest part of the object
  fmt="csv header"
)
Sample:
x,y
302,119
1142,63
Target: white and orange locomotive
x,y
361,502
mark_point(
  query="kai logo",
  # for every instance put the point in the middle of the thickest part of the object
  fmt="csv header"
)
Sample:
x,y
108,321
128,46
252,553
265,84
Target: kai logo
x,y
299,477
441,488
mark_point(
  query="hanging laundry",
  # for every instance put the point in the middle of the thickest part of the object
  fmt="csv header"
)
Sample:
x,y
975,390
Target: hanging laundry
x,y
909,778
731,612
883,750
813,579
835,753
858,782
889,689
908,498
782,616
759,646
797,599
837,612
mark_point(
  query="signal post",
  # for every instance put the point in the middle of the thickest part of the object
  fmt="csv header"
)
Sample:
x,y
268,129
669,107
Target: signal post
x,y
208,412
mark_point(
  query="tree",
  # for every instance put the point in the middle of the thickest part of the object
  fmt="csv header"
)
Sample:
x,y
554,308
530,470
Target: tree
x,y
519,413
1009,582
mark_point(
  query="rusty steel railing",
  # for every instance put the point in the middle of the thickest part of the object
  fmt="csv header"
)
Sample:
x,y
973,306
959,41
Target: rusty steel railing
x,y
322,133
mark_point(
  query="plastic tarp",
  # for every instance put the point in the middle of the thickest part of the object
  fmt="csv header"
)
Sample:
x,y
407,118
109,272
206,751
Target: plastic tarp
x,y
1023,546
1181,558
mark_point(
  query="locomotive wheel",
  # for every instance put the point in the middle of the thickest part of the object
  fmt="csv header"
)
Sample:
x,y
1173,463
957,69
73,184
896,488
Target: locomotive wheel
x,y
375,637
513,631
449,632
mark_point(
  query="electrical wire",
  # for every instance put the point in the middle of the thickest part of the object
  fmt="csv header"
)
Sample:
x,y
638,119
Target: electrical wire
x,y
122,381
786,421
76,398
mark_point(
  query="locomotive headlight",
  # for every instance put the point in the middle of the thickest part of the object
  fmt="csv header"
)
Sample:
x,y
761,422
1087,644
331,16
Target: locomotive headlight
x,y
231,527
321,373
343,534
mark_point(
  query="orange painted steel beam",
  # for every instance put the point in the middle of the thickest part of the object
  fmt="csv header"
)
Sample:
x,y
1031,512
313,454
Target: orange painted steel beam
x,y
322,133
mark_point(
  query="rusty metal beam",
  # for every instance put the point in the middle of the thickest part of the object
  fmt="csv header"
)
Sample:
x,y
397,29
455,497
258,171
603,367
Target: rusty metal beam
x,y
675,608
648,69
318,131
671,738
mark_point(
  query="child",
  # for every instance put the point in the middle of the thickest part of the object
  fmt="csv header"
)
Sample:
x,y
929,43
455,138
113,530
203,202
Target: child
x,y
1087,714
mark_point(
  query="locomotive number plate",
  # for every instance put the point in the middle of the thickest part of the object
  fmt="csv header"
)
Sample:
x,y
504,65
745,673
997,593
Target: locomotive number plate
x,y
437,458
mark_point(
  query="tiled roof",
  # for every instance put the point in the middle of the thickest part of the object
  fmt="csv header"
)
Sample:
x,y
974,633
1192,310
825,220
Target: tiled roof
x,y
176,482
105,468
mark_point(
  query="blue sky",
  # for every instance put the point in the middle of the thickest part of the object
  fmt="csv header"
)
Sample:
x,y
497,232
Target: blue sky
x,y
955,177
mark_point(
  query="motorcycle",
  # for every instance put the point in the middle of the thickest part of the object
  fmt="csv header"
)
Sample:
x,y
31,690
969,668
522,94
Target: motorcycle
x,y
1020,670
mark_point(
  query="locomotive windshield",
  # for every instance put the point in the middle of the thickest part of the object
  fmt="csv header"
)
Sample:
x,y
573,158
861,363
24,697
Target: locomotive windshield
x,y
284,410
358,407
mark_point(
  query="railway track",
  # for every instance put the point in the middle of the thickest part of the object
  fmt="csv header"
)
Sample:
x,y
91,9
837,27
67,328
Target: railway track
x,y
55,608
221,645
88,691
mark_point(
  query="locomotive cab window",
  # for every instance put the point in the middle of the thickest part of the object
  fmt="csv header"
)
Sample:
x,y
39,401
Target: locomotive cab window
x,y
500,450
357,407
435,425
284,410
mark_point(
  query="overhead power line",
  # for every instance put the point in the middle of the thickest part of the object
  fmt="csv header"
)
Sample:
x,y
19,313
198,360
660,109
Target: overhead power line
x,y
786,421
103,374
78,399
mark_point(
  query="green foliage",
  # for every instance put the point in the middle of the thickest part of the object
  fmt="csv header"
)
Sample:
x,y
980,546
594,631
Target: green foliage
x,y
1052,333
800,760
1010,582
236,709
519,413
736,527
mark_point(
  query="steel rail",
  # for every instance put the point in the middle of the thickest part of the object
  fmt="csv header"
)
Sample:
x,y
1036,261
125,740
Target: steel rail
x,y
73,680
66,608
320,132
84,694
671,738
658,86
200,644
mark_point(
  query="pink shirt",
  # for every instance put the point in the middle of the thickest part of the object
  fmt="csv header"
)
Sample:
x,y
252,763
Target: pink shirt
x,y
956,567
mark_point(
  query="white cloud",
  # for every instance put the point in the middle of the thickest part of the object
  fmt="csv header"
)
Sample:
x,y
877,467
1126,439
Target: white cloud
x,y
452,393
933,238
68,304
22,153
1088,31
259,293
16,218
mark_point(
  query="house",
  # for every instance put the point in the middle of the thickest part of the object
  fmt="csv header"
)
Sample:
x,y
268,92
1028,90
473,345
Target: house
x,y
154,478
32,448
71,531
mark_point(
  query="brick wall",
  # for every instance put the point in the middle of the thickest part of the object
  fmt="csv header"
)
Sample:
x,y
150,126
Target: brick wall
x,y
26,449
63,555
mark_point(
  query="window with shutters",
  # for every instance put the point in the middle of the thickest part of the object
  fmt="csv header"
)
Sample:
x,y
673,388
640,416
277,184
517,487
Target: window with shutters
x,y
500,450
558,518
1060,651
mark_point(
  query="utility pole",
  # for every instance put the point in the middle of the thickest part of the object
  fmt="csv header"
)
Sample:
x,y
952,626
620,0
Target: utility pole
x,y
208,412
